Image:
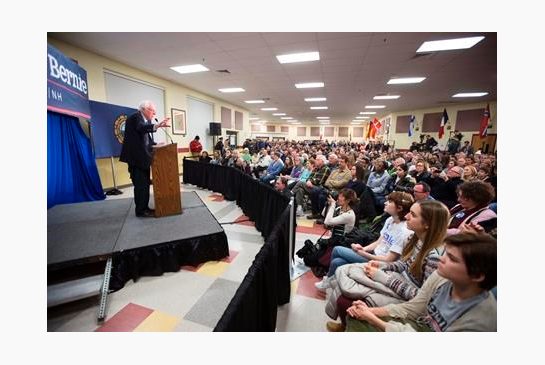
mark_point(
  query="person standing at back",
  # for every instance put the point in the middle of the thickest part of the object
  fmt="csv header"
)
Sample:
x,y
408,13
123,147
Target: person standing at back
x,y
137,152
195,146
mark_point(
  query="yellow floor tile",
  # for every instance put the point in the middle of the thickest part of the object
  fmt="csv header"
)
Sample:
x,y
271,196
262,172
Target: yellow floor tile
x,y
213,268
305,222
294,286
158,322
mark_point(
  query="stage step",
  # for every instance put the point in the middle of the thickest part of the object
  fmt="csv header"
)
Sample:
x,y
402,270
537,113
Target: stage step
x,y
74,290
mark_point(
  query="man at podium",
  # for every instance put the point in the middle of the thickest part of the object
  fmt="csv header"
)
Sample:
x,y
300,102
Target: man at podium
x,y
137,152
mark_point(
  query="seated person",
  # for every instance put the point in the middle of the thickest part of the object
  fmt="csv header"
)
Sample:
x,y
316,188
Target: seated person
x,y
204,157
316,179
401,181
357,182
340,215
216,158
281,186
388,247
273,170
456,297
336,181
379,283
378,181
474,198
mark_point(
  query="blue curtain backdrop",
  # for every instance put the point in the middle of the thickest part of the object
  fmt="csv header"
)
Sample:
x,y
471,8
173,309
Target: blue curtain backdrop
x,y
72,174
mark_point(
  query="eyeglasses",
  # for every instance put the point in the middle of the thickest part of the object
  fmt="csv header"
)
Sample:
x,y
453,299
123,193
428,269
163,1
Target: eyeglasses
x,y
150,109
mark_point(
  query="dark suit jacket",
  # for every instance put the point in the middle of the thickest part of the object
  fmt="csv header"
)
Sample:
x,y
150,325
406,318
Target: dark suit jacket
x,y
137,144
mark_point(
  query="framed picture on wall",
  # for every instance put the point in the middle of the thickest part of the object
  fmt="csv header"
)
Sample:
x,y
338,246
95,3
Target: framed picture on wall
x,y
178,121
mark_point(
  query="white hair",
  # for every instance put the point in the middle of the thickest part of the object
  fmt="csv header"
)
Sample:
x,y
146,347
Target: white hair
x,y
145,104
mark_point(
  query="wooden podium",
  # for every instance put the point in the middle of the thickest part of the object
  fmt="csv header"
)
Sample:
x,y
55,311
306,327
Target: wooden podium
x,y
166,180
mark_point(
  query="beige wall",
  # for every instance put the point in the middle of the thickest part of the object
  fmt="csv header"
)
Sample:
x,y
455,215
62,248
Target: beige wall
x,y
403,141
175,97
292,135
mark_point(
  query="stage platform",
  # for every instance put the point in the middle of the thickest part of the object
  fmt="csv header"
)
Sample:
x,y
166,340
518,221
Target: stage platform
x,y
84,238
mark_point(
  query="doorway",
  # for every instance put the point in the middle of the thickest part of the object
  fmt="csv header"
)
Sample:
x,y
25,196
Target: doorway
x,y
232,139
486,145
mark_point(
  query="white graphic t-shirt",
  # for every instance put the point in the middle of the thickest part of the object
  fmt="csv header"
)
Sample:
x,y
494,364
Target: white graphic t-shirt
x,y
394,237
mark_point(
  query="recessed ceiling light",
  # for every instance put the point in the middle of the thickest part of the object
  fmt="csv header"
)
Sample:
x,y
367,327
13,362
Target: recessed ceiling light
x,y
362,117
232,90
322,117
268,109
386,97
286,118
309,85
298,57
315,99
375,106
469,95
369,113
318,107
448,44
254,101
406,80
279,114
187,69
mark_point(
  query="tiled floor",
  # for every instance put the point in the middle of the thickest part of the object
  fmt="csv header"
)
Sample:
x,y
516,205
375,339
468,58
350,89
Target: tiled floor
x,y
194,298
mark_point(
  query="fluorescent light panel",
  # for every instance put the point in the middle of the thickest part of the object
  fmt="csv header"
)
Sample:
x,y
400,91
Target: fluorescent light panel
x,y
449,44
254,101
375,106
356,122
232,90
254,118
322,117
268,109
362,117
310,100
298,57
286,118
308,85
187,69
318,107
279,114
386,97
370,113
469,95
406,80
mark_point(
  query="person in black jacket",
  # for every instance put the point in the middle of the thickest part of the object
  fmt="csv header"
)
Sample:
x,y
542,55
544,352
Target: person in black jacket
x,y
137,152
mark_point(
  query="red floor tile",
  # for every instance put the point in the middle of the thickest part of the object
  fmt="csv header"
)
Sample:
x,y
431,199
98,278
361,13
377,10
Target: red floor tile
x,y
306,286
317,229
231,257
191,268
216,197
126,320
243,220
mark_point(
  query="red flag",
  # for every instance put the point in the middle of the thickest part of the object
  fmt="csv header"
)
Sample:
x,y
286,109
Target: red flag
x,y
484,122
376,126
369,130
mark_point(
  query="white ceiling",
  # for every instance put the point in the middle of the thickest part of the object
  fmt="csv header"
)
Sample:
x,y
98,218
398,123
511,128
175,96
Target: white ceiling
x,y
354,67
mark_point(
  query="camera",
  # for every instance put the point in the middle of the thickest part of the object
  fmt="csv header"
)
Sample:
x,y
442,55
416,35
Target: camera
x,y
334,194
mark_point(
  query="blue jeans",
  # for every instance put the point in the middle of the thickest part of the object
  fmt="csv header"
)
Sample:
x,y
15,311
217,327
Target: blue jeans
x,y
342,256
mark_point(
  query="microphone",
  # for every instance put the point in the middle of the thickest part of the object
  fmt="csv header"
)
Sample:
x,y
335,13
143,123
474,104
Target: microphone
x,y
165,130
